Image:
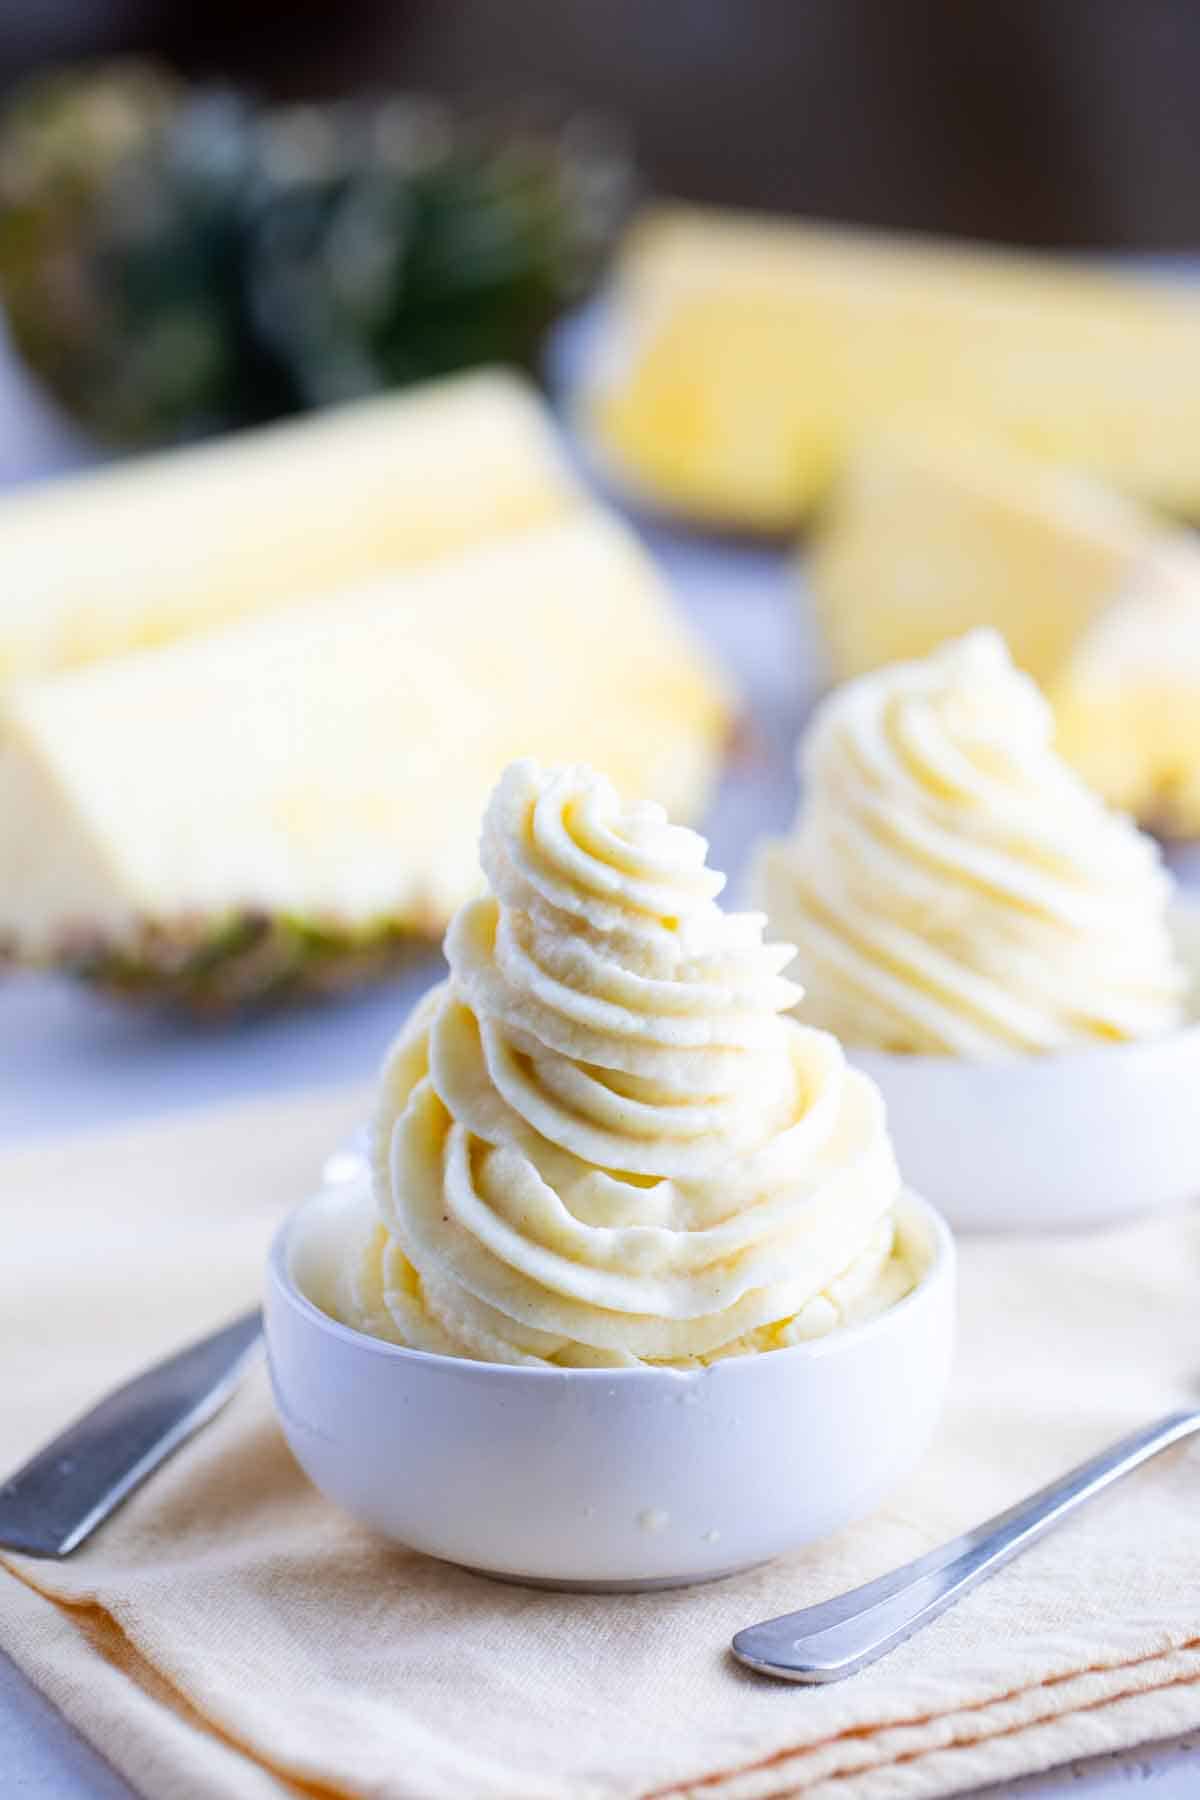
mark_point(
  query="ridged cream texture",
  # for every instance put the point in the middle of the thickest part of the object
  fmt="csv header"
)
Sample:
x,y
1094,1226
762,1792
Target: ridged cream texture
x,y
952,887
600,1142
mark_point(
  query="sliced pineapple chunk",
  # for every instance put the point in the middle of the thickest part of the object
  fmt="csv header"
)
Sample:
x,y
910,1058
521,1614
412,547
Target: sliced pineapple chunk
x,y
306,784
1099,602
1128,705
925,539
152,549
746,358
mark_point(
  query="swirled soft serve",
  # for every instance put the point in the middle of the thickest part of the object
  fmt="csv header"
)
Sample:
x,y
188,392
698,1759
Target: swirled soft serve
x,y
952,887
600,1142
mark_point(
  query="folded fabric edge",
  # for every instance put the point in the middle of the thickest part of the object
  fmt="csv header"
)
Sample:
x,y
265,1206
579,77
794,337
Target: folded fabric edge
x,y
82,1661
249,1764
1022,1732
1086,1713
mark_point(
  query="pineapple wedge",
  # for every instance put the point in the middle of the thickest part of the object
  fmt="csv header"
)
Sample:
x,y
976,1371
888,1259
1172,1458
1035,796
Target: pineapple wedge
x,y
1129,706
924,540
155,548
1099,602
745,358
284,803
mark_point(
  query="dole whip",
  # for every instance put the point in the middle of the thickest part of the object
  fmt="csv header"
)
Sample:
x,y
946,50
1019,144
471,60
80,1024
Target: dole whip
x,y
952,886
600,1142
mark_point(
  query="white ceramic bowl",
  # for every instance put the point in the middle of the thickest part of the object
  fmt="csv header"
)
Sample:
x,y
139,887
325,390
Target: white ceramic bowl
x,y
604,1478
1059,1142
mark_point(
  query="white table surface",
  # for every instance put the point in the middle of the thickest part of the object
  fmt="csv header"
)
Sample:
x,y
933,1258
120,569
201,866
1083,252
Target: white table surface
x,y
70,1061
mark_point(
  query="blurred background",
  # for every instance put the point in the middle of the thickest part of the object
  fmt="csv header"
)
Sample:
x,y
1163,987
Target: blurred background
x,y
212,218
219,214
1046,122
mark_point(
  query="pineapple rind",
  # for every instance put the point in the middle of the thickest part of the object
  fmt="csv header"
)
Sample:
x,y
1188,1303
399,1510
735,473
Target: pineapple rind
x,y
214,968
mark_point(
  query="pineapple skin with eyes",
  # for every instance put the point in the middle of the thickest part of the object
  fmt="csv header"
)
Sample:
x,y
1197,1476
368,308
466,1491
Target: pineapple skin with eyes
x,y
923,541
180,541
745,359
290,804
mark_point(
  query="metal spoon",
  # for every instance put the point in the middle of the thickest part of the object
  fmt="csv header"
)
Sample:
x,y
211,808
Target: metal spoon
x,y
55,1501
838,1637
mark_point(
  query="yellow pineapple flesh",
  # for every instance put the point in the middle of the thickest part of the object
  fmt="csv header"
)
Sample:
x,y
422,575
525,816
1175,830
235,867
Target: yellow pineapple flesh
x,y
160,546
1096,599
922,540
1128,706
745,359
310,779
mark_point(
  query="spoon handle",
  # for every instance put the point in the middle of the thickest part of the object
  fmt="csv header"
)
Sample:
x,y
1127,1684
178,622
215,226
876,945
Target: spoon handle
x,y
60,1495
56,1500
841,1636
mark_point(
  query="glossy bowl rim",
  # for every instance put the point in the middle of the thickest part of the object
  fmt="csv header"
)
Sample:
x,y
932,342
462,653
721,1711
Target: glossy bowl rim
x,y
940,1272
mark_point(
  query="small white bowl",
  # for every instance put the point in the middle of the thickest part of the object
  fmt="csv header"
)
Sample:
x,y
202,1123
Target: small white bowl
x,y
1047,1143
1051,1143
598,1478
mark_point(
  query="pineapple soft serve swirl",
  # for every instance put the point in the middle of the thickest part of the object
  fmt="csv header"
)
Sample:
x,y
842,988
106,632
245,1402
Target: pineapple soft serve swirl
x,y
599,1142
952,886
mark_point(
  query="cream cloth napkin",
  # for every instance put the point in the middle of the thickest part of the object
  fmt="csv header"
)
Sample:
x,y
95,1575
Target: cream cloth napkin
x,y
230,1637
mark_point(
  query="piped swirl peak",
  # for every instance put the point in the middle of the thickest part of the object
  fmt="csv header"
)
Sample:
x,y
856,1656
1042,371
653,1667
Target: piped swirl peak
x,y
601,1141
952,886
